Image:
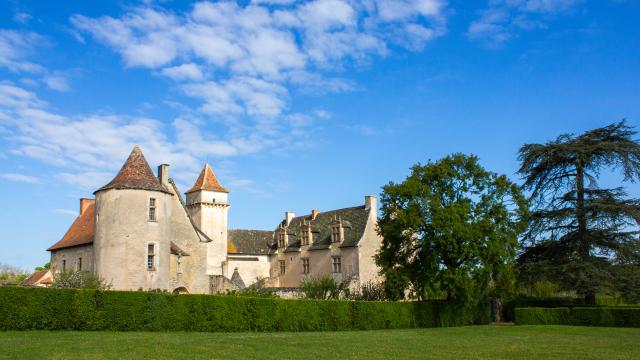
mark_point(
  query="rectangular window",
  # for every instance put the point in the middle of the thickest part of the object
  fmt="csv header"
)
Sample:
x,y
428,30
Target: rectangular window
x,y
151,265
281,238
152,209
337,264
79,264
335,234
64,265
283,267
305,237
305,266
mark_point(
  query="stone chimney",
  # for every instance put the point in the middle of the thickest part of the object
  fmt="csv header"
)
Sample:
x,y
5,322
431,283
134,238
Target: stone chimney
x,y
314,214
288,216
84,204
163,174
370,202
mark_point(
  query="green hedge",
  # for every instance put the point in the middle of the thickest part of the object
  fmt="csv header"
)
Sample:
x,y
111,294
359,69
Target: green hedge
x,y
581,316
555,302
58,309
536,302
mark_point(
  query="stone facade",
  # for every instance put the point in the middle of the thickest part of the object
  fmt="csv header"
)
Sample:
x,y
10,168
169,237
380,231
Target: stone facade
x,y
139,233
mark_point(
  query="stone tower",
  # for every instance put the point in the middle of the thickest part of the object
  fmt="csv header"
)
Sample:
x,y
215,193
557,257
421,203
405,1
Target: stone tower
x,y
132,218
208,204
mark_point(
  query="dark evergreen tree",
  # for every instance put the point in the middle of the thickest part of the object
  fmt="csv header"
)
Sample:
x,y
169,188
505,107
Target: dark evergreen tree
x,y
579,232
450,229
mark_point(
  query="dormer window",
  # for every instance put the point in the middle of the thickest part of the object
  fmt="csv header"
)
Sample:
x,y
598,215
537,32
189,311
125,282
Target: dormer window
x,y
305,235
337,232
152,209
282,239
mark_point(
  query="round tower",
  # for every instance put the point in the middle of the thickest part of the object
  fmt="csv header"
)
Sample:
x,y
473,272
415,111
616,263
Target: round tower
x,y
208,203
131,243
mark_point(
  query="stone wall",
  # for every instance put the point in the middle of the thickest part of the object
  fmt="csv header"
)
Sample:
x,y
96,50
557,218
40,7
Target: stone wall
x,y
71,256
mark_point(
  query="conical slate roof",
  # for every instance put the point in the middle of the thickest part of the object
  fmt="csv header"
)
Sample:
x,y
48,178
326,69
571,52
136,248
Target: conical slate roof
x,y
135,174
207,181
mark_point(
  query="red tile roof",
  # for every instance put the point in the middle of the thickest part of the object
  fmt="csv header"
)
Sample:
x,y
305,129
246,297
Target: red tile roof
x,y
207,181
81,231
36,278
135,174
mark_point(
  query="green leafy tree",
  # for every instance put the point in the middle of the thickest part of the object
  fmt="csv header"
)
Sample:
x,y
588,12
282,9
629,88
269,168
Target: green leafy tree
x,y
450,229
579,231
12,274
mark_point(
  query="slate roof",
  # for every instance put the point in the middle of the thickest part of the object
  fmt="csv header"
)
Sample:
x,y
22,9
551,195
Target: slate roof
x,y
207,181
251,242
80,232
354,221
135,174
38,277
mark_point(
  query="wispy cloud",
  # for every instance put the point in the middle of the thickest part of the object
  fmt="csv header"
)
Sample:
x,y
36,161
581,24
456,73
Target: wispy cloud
x,y
15,47
90,148
22,17
256,52
66,212
57,82
502,20
20,178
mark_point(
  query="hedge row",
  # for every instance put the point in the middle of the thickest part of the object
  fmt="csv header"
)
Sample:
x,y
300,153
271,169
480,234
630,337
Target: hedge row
x,y
58,309
581,316
556,302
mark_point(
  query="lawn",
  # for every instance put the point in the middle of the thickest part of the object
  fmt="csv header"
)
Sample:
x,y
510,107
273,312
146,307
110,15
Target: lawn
x,y
472,342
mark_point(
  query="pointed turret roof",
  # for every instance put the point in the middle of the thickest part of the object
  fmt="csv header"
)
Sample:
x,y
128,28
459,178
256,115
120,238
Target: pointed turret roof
x,y
135,174
207,181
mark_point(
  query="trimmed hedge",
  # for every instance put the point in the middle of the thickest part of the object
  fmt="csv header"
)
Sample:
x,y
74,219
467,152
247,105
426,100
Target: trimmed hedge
x,y
62,309
555,302
543,316
536,302
581,316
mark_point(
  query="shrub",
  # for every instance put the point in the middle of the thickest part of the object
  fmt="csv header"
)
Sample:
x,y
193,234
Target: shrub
x,y
537,302
81,309
324,288
582,316
543,316
369,291
78,280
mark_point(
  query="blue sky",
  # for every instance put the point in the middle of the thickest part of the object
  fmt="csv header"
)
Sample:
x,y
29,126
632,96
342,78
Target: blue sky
x,y
296,105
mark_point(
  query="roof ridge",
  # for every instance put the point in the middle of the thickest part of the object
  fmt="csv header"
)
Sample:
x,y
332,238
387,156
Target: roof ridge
x,y
330,211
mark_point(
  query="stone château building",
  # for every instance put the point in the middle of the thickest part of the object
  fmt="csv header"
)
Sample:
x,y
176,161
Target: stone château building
x,y
139,233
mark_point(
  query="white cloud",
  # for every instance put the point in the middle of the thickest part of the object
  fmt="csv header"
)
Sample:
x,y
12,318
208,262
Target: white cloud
x,y
22,17
15,46
263,49
56,82
240,95
89,149
184,72
20,178
66,212
502,19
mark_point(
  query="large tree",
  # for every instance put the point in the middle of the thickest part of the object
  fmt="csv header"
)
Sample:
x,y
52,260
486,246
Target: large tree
x,y
451,228
579,232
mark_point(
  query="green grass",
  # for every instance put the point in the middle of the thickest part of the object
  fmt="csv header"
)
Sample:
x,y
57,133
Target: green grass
x,y
472,342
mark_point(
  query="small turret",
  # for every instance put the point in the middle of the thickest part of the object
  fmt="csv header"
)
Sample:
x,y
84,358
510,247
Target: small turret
x,y
207,203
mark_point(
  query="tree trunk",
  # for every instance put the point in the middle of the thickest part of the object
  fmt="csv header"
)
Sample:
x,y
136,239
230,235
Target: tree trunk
x,y
584,248
580,213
